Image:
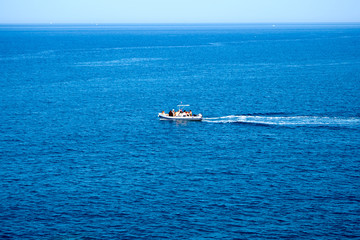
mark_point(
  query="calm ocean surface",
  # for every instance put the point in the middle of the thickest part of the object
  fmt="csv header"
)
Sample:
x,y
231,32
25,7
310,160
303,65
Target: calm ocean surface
x,y
83,154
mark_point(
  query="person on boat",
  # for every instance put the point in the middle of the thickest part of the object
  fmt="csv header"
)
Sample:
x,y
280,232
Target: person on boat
x,y
190,113
171,113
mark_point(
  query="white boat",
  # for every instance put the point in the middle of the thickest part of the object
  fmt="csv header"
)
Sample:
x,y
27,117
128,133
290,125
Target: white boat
x,y
180,115
187,118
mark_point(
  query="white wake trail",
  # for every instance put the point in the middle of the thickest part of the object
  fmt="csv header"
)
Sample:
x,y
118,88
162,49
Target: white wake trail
x,y
287,120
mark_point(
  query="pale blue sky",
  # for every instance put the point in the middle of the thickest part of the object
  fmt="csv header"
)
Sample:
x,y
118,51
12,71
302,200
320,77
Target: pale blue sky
x,y
178,11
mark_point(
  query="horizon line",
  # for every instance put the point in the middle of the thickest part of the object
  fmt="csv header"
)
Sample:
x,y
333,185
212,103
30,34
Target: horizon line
x,y
171,23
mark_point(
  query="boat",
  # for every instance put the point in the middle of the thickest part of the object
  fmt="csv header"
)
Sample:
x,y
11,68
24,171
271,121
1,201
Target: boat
x,y
181,115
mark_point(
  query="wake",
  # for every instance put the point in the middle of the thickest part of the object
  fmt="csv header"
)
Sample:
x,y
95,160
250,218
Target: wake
x,y
315,121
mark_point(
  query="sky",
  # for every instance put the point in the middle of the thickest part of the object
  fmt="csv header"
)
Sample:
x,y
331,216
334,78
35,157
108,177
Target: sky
x,y
178,11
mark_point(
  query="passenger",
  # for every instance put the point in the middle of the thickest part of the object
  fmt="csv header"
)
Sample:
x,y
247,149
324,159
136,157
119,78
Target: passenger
x,y
171,113
190,113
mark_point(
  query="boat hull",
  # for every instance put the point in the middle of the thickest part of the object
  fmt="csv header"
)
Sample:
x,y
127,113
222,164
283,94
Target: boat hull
x,y
185,118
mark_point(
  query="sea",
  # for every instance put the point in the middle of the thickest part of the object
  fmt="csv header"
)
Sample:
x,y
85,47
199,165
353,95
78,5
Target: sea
x,y
84,155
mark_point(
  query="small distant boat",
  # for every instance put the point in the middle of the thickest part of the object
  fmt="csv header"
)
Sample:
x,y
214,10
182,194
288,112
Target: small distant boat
x,y
187,118
181,115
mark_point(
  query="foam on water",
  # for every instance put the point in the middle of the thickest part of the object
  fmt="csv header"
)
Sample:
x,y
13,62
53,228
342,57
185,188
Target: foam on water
x,y
288,120
24,56
121,62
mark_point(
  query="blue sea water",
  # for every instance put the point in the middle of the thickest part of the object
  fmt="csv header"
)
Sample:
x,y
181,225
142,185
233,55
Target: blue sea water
x,y
83,154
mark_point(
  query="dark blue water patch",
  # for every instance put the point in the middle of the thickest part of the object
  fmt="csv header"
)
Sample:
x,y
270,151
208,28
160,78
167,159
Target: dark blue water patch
x,y
326,126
